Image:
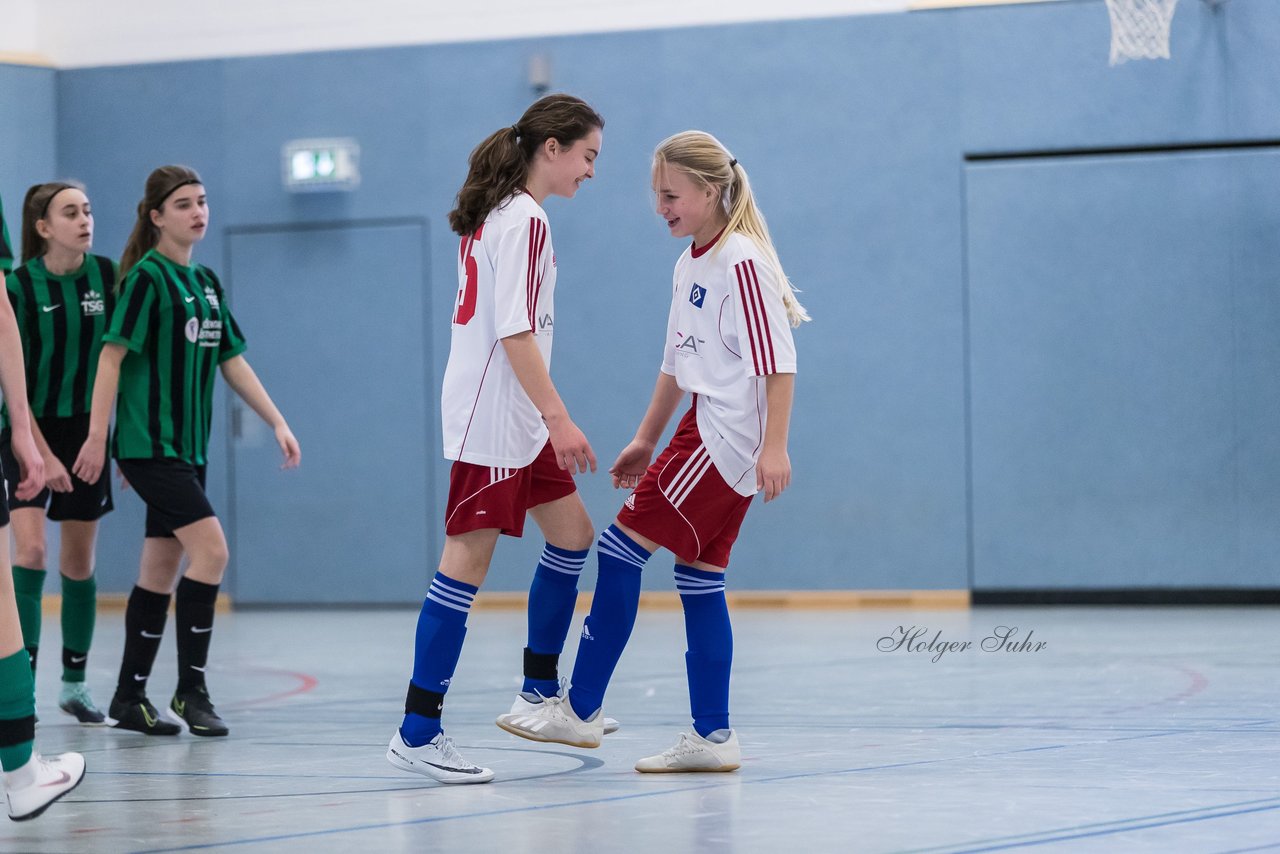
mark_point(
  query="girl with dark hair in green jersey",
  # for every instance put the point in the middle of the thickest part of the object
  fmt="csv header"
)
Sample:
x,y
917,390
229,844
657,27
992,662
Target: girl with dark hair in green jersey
x,y
61,297
170,334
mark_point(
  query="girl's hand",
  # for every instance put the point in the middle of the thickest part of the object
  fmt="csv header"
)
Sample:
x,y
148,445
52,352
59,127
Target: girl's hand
x,y
30,467
573,451
773,472
631,465
289,447
55,475
90,460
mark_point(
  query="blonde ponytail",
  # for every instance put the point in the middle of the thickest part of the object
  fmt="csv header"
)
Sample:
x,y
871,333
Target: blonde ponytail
x,y
707,162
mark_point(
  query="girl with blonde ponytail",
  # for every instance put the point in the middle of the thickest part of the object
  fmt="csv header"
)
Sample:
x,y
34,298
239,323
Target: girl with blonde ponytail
x,y
729,345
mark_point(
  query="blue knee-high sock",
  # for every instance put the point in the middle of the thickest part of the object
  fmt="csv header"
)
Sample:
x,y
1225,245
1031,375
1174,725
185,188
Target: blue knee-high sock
x,y
552,596
608,626
710,638
442,625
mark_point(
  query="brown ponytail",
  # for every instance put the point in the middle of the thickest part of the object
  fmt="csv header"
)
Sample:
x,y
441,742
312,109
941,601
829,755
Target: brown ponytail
x,y
499,166
35,207
160,186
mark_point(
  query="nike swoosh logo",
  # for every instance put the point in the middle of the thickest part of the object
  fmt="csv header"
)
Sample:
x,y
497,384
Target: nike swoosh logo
x,y
149,635
75,660
140,678
65,778
201,631
455,770
47,309
189,299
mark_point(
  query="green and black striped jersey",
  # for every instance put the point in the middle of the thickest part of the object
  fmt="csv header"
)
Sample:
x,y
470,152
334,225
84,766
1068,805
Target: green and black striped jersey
x,y
177,328
6,248
61,319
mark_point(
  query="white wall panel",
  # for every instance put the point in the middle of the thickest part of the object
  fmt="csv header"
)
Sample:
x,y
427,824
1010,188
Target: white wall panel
x,y
78,33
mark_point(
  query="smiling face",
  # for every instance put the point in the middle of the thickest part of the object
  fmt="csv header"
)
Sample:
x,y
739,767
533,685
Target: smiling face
x,y
567,167
67,224
689,208
183,218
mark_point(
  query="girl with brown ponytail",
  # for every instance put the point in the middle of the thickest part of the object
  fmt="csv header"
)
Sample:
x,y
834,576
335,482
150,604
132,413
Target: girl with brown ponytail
x,y
514,447
170,334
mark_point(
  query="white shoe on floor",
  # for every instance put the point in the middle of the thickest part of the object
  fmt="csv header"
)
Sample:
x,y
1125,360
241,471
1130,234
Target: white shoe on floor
x,y
437,759
554,720
693,753
33,787
527,703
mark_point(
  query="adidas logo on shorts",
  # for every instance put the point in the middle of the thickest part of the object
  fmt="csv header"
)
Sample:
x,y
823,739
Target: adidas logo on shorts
x,y
630,503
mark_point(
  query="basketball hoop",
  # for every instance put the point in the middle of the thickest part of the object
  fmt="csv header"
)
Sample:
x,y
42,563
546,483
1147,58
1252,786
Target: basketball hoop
x,y
1140,29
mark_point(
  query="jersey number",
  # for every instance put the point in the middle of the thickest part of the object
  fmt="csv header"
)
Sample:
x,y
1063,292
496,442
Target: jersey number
x,y
466,305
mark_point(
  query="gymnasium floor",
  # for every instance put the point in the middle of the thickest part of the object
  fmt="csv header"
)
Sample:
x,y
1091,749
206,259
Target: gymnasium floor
x,y
1132,730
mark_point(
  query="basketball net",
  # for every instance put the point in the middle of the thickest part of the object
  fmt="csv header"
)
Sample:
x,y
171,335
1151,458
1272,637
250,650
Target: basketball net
x,y
1140,29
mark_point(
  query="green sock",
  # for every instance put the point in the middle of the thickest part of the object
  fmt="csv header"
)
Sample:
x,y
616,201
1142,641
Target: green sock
x,y
79,609
28,585
17,703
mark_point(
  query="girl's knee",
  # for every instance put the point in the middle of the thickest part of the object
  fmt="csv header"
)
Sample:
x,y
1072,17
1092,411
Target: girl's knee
x,y
31,555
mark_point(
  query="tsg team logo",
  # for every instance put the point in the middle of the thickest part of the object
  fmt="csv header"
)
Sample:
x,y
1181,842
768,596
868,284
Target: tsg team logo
x,y
91,303
697,294
211,296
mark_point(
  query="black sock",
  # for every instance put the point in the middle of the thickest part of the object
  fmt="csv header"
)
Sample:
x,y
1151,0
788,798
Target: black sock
x,y
193,612
144,621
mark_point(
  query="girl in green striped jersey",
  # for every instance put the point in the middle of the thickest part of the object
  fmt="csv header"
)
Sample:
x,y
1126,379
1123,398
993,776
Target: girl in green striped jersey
x,y
61,298
169,335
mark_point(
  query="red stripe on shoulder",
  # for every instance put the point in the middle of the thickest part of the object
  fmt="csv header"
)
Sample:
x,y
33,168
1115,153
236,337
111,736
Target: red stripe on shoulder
x,y
745,302
764,321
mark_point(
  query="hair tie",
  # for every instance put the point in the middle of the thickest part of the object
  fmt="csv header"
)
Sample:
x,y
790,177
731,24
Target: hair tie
x,y
516,130
733,163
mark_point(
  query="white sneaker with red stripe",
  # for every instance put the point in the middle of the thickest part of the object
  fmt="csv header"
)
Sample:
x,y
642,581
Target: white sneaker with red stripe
x,y
33,787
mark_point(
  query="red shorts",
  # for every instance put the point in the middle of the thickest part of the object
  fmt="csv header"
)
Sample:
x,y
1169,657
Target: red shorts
x,y
488,497
683,504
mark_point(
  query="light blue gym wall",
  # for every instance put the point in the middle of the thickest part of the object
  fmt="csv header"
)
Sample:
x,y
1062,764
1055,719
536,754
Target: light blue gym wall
x,y
28,136
854,132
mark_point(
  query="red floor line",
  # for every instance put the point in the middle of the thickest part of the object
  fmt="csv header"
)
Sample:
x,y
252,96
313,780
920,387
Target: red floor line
x,y
306,682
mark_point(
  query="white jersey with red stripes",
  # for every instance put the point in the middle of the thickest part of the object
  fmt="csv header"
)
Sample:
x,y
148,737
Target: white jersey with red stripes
x,y
727,331
506,285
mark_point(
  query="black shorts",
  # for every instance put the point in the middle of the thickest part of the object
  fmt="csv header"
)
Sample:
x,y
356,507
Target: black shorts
x,y
173,491
86,502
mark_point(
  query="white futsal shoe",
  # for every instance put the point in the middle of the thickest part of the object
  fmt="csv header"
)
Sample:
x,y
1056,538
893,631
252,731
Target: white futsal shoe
x,y
554,720
693,753
33,787
437,759
526,703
